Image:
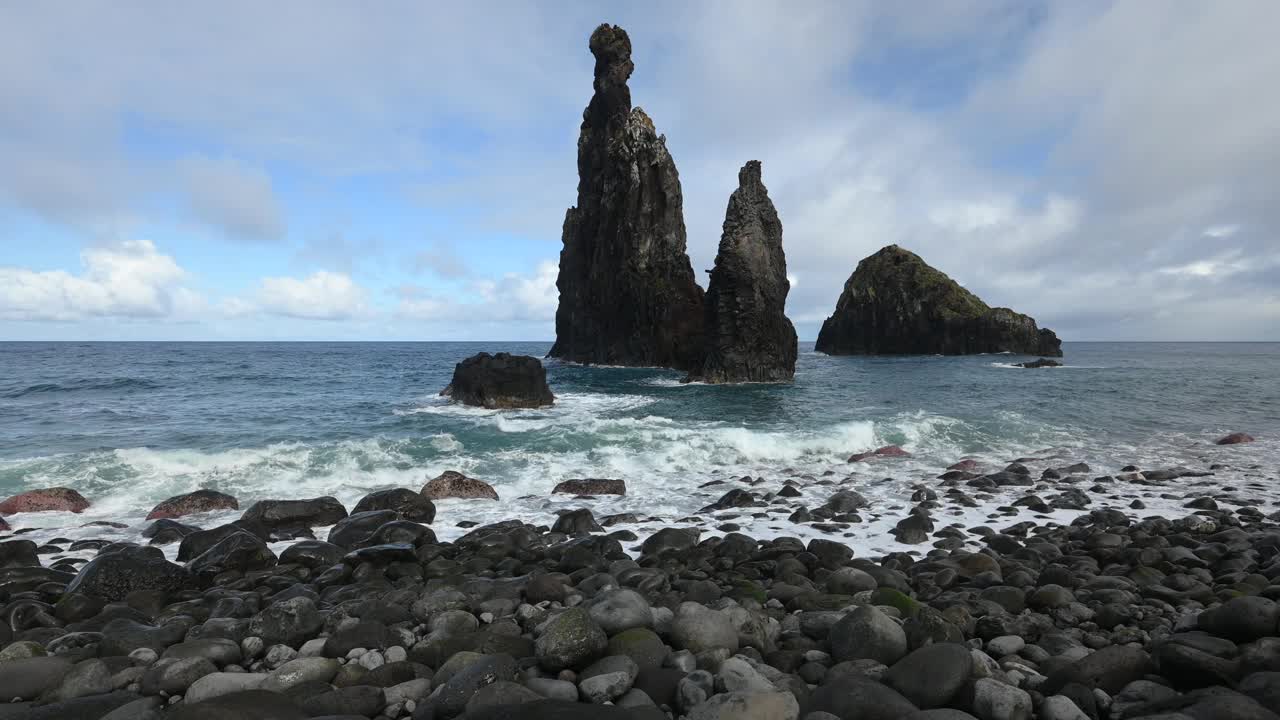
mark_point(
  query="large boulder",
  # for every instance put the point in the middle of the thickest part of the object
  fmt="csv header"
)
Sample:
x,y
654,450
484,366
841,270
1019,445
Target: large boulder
x,y
867,633
453,484
628,294
407,504
896,304
238,551
500,381
193,502
570,640
59,499
748,335
287,514
117,573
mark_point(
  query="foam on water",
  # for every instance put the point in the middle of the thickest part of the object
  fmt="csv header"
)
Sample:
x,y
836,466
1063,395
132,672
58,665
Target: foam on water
x,y
307,421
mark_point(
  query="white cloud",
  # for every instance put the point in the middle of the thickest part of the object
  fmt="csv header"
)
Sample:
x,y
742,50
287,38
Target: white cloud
x,y
1221,231
130,279
232,197
322,295
442,259
513,298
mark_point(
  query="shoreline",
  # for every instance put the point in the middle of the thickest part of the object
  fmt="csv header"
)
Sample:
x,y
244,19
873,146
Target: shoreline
x,y
1009,617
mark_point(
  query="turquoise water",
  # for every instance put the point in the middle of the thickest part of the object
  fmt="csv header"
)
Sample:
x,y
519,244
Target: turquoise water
x,y
131,424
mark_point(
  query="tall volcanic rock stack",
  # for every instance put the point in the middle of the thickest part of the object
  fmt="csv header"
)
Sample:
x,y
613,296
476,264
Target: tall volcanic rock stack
x,y
749,338
627,291
896,304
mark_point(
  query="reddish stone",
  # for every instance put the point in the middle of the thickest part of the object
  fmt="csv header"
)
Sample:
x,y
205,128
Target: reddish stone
x,y
966,466
886,451
453,484
591,486
48,499
192,503
1235,439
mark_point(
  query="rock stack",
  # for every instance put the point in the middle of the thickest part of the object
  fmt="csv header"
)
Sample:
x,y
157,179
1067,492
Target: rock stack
x,y
896,304
749,338
628,295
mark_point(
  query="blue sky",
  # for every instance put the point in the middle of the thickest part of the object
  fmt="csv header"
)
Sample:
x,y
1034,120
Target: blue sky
x,y
326,170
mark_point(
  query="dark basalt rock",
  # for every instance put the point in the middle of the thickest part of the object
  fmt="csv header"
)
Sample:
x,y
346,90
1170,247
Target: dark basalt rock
x,y
193,502
500,381
748,335
1041,363
407,504
238,551
277,514
591,486
114,575
896,304
1235,439
628,295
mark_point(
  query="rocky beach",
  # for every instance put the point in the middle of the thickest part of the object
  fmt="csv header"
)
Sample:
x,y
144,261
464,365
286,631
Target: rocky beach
x,y
684,513
308,609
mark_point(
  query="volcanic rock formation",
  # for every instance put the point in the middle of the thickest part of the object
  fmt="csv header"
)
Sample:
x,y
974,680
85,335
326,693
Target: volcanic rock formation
x,y
628,295
748,335
500,381
896,304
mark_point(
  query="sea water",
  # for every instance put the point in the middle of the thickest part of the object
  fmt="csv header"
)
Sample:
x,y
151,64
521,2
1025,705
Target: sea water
x,y
130,424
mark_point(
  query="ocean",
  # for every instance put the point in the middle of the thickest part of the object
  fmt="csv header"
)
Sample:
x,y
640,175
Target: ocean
x,y
130,424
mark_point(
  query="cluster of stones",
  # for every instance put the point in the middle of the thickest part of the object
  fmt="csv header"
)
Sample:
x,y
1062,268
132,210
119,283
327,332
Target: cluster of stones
x,y
1107,618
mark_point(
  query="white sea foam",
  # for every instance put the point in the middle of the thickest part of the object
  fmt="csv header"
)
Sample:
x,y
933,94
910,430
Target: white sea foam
x,y
664,462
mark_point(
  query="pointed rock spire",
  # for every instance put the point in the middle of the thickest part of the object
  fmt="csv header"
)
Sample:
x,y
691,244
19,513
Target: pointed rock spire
x,y
749,338
627,290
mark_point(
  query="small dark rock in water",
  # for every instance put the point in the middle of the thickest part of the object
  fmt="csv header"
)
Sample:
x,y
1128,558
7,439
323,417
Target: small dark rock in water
x,y
453,484
591,486
59,499
896,304
1232,439
628,295
748,335
1041,363
501,381
886,451
193,502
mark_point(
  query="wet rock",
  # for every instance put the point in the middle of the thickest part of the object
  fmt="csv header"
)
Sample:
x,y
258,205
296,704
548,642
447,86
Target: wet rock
x,y
116,574
238,551
500,381
628,295
1232,439
574,522
858,697
452,484
1041,363
591,486
290,622
56,499
405,503
29,678
279,514
200,501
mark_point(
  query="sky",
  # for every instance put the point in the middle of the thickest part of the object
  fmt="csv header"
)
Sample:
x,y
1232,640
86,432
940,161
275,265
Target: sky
x,y
316,170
